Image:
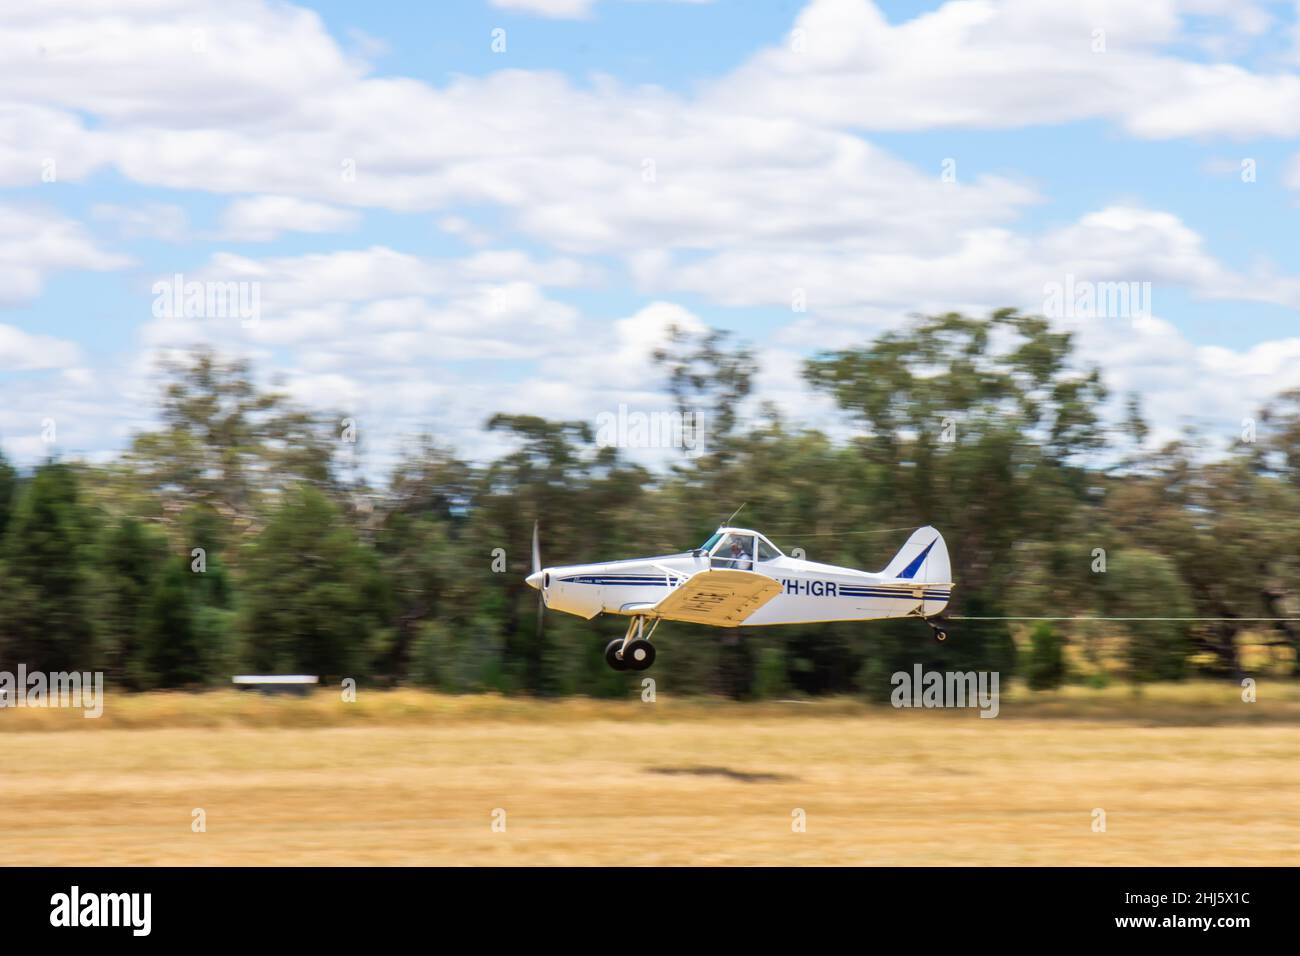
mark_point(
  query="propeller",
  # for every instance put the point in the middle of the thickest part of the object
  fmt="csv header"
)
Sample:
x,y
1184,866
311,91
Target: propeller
x,y
535,579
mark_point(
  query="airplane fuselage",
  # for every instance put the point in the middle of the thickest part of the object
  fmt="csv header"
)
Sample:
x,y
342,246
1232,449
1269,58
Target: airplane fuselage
x,y
810,592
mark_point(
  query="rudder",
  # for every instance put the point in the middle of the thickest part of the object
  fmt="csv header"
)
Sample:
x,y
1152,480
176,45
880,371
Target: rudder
x,y
923,559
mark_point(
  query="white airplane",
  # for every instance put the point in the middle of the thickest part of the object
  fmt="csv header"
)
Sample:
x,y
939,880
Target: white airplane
x,y
738,578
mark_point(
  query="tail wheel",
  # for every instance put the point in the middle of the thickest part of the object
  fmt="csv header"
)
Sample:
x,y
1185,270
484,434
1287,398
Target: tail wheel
x,y
611,655
940,635
639,655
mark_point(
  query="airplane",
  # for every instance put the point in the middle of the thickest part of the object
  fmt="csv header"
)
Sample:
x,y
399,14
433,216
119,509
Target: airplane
x,y
738,578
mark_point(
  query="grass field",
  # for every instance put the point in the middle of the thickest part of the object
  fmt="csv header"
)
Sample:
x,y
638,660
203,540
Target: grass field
x,y
1185,775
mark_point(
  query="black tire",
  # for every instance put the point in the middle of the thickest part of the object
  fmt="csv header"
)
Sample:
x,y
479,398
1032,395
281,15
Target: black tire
x,y
639,655
611,655
940,635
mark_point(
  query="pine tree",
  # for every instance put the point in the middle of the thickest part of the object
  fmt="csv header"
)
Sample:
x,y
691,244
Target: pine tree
x,y
130,560
45,618
169,632
313,599
8,488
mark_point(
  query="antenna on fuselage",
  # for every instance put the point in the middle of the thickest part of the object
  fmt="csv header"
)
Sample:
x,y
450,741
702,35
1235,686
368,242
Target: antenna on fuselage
x,y
733,516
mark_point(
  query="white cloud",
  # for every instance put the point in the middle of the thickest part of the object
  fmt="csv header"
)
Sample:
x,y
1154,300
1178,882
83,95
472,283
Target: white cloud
x,y
752,187
377,333
154,220
36,242
263,218
424,354
616,358
60,407
22,351
981,65
757,156
40,146
358,275
1186,384
978,265
223,62
272,84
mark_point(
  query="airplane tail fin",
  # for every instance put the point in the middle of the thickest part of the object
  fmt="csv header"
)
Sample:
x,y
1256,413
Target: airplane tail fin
x,y
923,559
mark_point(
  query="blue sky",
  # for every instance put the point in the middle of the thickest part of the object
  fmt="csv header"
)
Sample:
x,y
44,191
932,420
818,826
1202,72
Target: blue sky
x,y
501,247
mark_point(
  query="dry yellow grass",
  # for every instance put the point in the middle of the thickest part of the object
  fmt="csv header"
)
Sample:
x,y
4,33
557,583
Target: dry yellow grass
x,y
1186,776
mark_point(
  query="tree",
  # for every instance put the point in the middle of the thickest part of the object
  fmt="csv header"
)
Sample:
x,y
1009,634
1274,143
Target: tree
x,y
1143,584
587,501
708,382
45,613
1231,530
227,444
176,656
421,563
982,427
129,561
313,598
8,490
1046,669
234,543
984,442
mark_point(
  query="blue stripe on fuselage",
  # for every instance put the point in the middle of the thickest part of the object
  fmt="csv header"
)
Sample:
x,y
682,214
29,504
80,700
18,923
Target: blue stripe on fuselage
x,y
629,580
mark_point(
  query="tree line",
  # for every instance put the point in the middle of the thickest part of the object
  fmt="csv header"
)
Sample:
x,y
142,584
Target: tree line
x,y
236,536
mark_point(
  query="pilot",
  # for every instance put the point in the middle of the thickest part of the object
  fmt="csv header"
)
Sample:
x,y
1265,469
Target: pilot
x,y
739,560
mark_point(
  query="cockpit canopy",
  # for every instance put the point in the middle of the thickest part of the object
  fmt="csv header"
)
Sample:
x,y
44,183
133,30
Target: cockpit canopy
x,y
738,548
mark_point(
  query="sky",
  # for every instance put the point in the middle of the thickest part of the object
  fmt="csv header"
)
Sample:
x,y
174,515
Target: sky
x,y
432,212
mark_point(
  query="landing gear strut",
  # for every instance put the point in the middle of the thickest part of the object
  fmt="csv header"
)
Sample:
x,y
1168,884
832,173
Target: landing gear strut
x,y
634,651
940,634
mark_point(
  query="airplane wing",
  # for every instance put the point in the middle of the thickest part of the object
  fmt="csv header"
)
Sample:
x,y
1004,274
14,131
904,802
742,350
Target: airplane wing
x,y
719,596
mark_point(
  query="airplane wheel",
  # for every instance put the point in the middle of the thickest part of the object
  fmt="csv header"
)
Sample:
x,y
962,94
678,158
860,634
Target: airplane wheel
x,y
639,655
611,655
940,635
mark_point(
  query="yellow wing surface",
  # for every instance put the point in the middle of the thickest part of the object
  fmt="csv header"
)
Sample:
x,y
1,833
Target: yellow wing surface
x,y
720,597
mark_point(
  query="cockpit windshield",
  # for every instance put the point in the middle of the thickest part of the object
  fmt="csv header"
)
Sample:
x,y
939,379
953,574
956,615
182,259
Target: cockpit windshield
x,y
707,546
734,549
